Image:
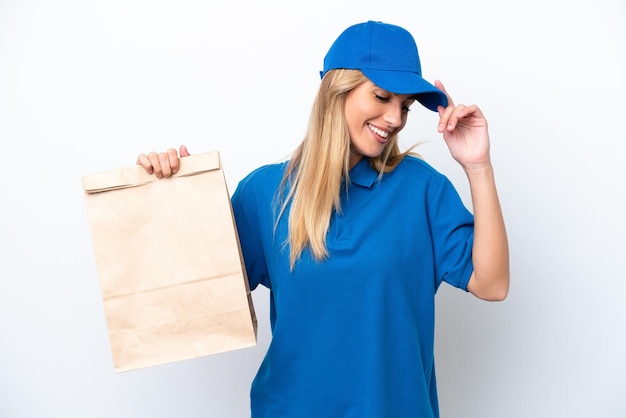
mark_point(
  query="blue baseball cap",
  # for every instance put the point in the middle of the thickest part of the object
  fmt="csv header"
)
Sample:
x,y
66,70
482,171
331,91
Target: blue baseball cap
x,y
388,56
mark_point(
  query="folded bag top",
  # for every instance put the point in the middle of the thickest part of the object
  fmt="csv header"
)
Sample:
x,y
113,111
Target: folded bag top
x,y
136,175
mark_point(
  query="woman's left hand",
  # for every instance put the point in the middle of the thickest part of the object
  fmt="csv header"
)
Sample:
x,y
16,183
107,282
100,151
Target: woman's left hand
x,y
465,131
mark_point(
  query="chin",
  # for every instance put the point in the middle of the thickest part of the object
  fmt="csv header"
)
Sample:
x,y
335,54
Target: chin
x,y
375,153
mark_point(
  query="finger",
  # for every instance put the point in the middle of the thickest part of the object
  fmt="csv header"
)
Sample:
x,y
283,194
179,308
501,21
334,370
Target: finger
x,y
173,160
470,110
441,87
444,117
458,113
466,115
184,152
143,161
165,162
153,158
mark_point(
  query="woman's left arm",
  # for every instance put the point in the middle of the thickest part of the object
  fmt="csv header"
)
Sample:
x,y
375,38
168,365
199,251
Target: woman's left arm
x,y
465,131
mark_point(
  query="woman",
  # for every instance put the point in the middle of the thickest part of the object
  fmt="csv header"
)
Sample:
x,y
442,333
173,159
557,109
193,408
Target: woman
x,y
353,238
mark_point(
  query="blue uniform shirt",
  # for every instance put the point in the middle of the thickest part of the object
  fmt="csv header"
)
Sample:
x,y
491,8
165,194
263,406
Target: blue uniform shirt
x,y
353,336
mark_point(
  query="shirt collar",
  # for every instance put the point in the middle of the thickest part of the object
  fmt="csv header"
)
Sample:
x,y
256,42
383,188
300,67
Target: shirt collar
x,y
363,175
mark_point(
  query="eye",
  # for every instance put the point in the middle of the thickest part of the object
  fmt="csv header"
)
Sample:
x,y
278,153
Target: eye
x,y
406,108
380,98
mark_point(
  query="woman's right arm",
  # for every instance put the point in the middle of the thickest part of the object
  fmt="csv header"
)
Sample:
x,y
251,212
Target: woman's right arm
x,y
162,164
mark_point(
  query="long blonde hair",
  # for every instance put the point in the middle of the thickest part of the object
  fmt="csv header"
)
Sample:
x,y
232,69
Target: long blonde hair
x,y
321,164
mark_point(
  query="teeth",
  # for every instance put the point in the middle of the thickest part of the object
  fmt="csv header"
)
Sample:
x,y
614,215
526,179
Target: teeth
x,y
380,132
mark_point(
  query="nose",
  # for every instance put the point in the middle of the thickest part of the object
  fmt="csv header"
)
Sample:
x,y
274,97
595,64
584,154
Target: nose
x,y
394,115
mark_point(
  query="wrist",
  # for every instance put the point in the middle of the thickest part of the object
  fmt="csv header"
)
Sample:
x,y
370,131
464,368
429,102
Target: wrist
x,y
478,168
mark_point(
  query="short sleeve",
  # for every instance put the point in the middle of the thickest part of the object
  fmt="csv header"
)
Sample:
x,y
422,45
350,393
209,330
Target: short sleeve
x,y
245,203
453,234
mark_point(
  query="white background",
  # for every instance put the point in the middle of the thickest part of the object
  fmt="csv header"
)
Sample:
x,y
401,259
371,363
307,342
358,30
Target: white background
x,y
86,85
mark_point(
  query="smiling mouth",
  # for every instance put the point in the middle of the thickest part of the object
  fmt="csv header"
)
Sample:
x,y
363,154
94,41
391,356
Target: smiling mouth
x,y
379,132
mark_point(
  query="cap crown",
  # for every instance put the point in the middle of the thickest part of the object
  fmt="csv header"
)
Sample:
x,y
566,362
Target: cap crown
x,y
375,46
388,56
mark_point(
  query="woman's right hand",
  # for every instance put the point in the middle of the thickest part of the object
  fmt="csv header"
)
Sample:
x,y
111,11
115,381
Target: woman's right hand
x,y
162,164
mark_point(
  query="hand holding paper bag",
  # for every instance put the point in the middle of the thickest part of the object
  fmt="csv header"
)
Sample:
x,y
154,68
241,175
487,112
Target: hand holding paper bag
x,y
173,281
162,164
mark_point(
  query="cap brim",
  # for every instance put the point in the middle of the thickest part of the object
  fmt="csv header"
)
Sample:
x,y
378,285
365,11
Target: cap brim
x,y
400,82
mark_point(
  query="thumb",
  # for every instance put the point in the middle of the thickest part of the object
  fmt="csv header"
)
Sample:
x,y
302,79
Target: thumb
x,y
183,151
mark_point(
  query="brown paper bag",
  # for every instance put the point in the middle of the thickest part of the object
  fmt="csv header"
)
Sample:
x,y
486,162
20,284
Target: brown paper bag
x,y
169,263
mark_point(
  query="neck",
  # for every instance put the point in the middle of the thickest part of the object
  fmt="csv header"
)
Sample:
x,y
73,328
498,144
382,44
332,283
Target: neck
x,y
355,157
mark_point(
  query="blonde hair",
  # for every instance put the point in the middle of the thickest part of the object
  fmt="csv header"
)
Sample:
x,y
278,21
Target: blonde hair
x,y
321,164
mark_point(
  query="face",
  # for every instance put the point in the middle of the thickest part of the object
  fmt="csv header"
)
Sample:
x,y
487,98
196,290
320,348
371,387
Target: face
x,y
373,114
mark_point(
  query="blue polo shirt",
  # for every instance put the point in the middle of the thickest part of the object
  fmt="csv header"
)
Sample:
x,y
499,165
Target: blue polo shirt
x,y
353,336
